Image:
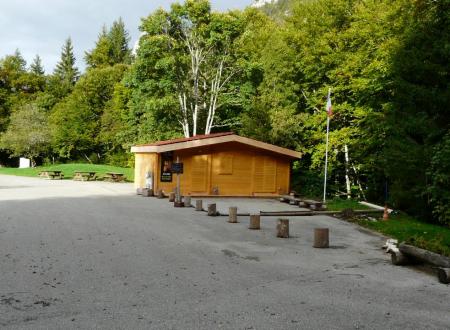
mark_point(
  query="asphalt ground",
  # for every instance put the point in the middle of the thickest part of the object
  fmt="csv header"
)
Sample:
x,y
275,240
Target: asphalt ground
x,y
93,255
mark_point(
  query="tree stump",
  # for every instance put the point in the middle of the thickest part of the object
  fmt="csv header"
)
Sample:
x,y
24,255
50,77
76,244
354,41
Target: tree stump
x,y
232,217
283,228
160,194
199,205
187,201
178,204
399,259
172,197
212,211
444,275
321,238
147,192
255,222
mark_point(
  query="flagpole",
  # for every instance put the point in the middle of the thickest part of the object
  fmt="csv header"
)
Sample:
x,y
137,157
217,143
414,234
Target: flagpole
x,y
326,163
329,112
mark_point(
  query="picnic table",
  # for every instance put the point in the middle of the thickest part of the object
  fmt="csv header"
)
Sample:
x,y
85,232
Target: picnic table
x,y
51,175
114,177
84,175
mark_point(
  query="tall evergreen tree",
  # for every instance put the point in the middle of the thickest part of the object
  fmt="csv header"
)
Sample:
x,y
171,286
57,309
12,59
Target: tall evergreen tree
x,y
66,69
36,67
119,38
111,47
100,55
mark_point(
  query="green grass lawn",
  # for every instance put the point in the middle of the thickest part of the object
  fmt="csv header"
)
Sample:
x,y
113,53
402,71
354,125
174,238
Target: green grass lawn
x,y
68,170
413,231
402,227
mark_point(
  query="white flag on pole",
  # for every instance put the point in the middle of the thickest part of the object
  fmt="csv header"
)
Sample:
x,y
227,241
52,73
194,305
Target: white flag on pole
x,y
329,107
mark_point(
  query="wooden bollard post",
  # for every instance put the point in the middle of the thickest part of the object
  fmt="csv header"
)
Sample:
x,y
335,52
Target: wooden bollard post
x,y
444,275
160,194
212,211
321,238
283,228
147,192
255,222
172,197
187,201
199,205
232,215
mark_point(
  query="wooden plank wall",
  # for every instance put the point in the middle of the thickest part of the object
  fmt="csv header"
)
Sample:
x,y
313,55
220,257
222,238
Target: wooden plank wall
x,y
144,162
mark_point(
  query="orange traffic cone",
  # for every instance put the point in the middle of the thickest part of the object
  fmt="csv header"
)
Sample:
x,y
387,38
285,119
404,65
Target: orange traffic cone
x,y
386,213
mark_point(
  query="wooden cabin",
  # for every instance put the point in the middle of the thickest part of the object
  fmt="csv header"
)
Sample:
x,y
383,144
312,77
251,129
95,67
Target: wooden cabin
x,y
222,164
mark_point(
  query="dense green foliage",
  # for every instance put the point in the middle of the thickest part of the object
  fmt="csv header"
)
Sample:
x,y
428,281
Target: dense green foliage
x,y
264,74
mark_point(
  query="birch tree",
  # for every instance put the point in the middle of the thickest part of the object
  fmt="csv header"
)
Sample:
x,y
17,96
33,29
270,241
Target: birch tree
x,y
191,49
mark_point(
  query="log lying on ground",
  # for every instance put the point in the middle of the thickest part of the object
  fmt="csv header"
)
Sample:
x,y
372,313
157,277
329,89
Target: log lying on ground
x,y
283,228
400,259
424,255
311,213
444,275
255,222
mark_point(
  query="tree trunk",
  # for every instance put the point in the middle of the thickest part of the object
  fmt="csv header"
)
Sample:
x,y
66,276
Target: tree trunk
x,y
232,215
399,259
212,211
255,222
424,255
321,238
160,194
283,228
199,205
347,178
444,275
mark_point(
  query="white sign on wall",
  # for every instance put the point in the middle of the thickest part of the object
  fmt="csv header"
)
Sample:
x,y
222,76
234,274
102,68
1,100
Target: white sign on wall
x,y
24,163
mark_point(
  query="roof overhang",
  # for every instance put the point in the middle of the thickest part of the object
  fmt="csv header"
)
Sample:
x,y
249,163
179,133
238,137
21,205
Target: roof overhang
x,y
214,141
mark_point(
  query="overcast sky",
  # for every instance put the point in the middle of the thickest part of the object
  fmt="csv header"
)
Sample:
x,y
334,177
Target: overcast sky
x,y
41,26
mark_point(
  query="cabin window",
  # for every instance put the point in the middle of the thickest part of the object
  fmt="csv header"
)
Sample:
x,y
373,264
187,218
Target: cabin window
x,y
226,165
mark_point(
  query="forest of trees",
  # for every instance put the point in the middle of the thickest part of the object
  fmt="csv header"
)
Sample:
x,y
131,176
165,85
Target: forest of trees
x,y
262,73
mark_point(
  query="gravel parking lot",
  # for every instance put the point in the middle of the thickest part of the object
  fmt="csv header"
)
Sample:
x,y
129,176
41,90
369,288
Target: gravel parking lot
x,y
93,255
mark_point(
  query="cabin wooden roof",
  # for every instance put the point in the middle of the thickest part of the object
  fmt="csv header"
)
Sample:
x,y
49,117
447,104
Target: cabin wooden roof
x,y
209,140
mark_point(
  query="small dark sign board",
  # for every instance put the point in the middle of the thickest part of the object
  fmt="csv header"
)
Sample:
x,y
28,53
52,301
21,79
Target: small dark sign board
x,y
177,168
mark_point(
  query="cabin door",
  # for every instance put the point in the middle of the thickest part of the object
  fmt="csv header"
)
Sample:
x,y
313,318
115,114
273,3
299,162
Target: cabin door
x,y
264,174
200,174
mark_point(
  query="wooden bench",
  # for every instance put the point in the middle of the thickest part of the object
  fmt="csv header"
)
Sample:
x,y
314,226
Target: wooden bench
x,y
51,175
290,199
313,205
308,203
84,176
114,177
